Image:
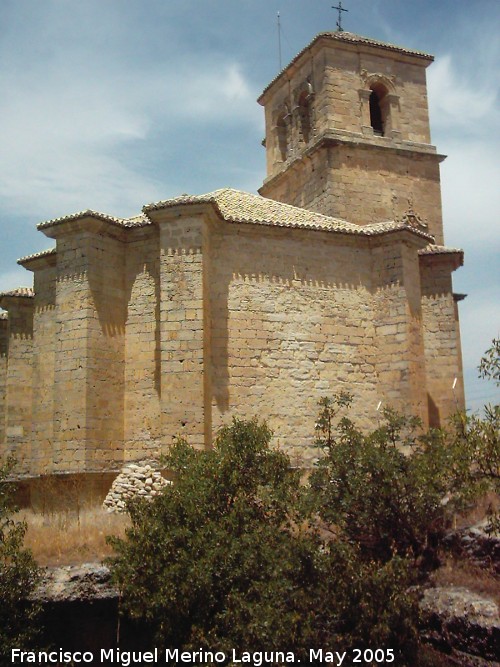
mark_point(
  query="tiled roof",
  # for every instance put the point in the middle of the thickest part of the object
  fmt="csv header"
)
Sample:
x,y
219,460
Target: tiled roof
x,y
139,220
238,206
243,207
345,36
351,38
36,255
26,292
433,249
78,216
135,221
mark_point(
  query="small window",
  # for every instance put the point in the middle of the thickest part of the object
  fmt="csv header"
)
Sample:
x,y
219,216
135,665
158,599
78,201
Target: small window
x,y
282,138
376,119
305,117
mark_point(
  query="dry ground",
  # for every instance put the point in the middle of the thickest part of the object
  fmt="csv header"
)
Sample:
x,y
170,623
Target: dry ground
x,y
464,574
65,538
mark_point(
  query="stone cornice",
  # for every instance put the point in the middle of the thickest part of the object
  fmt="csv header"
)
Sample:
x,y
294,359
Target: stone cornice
x,y
433,254
21,296
85,221
355,140
39,260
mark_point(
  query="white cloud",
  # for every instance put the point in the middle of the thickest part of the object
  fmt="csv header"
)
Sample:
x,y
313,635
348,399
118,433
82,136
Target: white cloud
x,y
471,193
464,112
458,99
67,132
465,117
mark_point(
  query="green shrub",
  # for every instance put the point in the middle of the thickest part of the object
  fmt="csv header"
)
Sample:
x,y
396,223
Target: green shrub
x,y
392,491
225,558
18,577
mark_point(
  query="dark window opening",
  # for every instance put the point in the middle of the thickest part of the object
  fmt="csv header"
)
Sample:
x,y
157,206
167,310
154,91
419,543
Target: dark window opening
x,y
305,117
376,114
282,138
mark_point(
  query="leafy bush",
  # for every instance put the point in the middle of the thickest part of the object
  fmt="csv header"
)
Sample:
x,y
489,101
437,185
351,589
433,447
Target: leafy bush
x,y
489,366
18,577
391,491
477,443
226,558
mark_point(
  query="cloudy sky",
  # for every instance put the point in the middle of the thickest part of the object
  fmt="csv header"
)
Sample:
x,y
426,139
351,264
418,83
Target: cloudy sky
x,y
111,104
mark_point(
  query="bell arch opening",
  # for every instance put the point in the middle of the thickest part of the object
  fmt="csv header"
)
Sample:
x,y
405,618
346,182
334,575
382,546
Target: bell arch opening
x,y
378,109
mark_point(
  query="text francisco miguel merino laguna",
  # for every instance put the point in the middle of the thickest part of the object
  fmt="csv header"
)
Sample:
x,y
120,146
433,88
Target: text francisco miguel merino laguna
x,y
201,657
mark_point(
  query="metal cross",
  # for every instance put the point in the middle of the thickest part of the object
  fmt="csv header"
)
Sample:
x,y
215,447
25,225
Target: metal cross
x,y
340,10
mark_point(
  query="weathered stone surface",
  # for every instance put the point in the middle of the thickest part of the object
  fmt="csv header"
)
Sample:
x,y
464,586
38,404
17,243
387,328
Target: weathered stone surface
x,y
477,545
86,582
456,619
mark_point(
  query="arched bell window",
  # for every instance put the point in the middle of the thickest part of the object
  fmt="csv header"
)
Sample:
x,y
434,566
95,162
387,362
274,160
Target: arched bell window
x,y
377,111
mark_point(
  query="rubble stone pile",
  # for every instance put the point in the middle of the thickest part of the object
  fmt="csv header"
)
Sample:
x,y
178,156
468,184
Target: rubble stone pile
x,y
134,481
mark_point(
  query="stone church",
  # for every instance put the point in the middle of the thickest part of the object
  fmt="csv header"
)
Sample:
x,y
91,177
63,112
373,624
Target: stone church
x,y
226,304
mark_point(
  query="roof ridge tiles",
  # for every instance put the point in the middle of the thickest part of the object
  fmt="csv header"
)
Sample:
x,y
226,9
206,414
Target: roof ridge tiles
x,y
37,255
134,221
25,292
433,249
242,207
87,213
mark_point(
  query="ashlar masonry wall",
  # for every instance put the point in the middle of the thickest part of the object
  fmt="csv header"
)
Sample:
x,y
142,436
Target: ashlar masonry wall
x,y
90,314
441,332
142,358
299,315
18,390
184,314
291,322
398,325
44,360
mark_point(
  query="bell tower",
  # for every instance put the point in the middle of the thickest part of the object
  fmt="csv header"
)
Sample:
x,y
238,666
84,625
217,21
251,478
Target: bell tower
x,y
347,133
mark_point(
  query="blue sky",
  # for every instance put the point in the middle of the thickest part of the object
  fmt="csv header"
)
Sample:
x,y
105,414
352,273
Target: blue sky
x,y
111,104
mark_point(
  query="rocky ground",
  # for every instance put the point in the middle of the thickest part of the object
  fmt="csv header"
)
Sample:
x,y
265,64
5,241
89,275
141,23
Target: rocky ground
x,y
456,621
461,624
